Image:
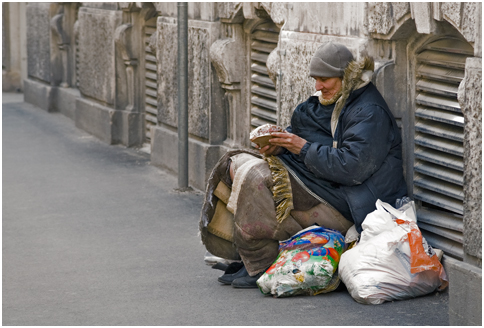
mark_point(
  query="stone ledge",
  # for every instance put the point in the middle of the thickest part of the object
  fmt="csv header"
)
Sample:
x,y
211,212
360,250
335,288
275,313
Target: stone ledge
x,y
465,293
202,157
130,129
65,101
97,120
39,94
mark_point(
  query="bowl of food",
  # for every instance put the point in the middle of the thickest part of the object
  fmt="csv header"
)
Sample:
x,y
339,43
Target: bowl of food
x,y
262,134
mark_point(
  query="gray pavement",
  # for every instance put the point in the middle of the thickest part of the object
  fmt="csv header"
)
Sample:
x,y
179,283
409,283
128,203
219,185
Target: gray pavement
x,y
95,235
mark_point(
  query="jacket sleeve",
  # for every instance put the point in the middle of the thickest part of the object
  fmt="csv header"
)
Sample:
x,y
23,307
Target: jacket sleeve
x,y
366,140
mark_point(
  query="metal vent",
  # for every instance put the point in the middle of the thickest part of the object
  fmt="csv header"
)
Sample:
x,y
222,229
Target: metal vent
x,y
263,97
439,150
151,86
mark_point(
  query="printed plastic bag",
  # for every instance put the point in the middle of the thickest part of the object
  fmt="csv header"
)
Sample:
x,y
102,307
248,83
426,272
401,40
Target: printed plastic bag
x,y
306,265
392,261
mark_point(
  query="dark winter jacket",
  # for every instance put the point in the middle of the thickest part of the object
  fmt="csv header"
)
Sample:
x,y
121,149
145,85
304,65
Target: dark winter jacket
x,y
366,164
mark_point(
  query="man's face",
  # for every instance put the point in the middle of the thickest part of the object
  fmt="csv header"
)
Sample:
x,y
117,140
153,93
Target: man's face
x,y
328,86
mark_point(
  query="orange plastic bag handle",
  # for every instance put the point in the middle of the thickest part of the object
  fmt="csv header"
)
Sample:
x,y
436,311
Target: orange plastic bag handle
x,y
419,259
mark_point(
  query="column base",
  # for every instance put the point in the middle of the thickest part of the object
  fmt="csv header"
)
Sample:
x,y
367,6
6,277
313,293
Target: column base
x,y
202,157
39,94
465,293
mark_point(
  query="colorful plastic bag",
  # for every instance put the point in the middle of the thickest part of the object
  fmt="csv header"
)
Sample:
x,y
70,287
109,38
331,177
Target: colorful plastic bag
x,y
392,261
306,265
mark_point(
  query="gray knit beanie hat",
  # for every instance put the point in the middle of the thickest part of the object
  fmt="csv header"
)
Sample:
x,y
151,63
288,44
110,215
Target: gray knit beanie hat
x,y
330,60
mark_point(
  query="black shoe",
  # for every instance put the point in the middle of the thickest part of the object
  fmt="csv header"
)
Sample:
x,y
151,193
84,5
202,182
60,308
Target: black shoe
x,y
247,281
230,268
227,279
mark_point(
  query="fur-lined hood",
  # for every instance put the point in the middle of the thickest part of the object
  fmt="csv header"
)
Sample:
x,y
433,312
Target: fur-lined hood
x,y
357,75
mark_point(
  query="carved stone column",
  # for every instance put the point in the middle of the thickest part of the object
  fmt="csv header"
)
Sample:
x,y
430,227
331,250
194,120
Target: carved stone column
x,y
228,58
57,28
122,40
128,48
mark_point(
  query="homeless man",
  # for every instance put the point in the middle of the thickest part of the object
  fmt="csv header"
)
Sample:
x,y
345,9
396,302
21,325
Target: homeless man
x,y
340,154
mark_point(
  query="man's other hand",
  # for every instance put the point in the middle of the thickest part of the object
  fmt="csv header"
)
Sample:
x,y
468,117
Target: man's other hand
x,y
290,141
270,150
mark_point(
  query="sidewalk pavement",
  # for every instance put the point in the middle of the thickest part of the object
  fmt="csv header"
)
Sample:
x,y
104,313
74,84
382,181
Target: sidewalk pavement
x,y
95,235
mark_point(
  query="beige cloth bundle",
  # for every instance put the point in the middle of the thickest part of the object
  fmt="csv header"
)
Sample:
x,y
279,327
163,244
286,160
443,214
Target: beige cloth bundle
x,y
222,224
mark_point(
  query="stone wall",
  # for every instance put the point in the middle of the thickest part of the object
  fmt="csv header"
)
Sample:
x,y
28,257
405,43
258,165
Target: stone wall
x,y
38,41
470,100
14,46
166,56
101,5
392,20
227,10
325,18
200,37
462,15
97,76
204,11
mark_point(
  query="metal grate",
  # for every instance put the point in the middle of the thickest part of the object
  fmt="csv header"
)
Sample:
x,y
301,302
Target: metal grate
x,y
263,94
439,150
151,86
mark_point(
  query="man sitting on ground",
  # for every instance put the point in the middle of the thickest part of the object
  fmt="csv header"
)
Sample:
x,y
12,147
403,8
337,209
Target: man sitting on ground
x,y
341,153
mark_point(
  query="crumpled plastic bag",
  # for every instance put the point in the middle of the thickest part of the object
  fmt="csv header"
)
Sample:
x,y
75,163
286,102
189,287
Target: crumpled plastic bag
x,y
306,265
392,261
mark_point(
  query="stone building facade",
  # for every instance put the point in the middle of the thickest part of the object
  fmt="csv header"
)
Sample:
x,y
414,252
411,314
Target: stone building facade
x,y
14,46
111,67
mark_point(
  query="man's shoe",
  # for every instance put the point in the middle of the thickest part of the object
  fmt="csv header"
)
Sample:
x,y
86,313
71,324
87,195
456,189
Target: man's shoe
x,y
229,269
227,279
247,281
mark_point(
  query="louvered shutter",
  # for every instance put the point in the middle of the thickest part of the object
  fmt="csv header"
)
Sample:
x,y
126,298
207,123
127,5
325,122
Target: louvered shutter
x,y
150,81
439,136
262,90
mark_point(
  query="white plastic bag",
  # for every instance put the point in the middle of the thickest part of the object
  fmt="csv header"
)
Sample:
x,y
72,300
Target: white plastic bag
x,y
392,261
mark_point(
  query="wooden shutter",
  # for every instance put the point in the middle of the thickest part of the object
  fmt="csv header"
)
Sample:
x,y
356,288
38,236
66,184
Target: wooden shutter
x,y
150,81
439,136
263,95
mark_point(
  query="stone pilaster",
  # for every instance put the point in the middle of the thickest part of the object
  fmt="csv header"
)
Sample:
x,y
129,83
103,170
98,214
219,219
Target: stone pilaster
x,y
470,100
126,87
60,51
228,59
128,82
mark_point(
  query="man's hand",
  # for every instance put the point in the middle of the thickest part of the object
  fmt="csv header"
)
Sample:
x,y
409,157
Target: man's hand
x,y
270,150
290,141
